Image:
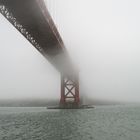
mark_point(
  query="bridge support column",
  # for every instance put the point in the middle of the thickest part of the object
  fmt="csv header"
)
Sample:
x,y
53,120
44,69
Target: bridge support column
x,y
69,92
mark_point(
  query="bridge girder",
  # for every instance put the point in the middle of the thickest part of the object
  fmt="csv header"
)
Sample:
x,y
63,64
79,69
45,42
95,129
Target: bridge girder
x,y
32,19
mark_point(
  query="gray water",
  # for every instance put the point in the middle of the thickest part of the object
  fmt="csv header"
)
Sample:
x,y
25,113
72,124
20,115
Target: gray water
x,y
101,123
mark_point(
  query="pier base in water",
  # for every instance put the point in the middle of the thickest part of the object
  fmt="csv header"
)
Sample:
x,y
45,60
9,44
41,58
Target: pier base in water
x,y
71,107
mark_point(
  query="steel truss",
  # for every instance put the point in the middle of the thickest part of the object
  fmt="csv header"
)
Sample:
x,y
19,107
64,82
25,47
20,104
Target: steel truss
x,y
69,91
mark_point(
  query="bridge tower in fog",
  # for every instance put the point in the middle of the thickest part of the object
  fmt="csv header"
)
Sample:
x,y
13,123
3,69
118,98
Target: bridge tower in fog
x,y
32,19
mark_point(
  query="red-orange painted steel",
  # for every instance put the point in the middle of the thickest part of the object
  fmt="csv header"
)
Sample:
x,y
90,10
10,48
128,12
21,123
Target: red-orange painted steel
x,y
69,91
34,22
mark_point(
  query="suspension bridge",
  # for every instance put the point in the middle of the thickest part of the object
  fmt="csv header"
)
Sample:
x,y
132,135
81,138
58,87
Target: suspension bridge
x,y
32,19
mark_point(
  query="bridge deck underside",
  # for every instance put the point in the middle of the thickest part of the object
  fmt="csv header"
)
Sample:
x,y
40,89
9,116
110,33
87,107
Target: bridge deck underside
x,y
34,17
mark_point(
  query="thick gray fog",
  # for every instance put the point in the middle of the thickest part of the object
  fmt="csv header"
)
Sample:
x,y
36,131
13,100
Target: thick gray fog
x,y
103,39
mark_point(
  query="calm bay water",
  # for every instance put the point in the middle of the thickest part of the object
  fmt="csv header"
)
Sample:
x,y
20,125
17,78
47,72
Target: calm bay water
x,y
101,123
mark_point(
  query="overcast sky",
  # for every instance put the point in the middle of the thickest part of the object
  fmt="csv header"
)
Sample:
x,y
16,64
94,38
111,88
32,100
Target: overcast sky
x,y
103,39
